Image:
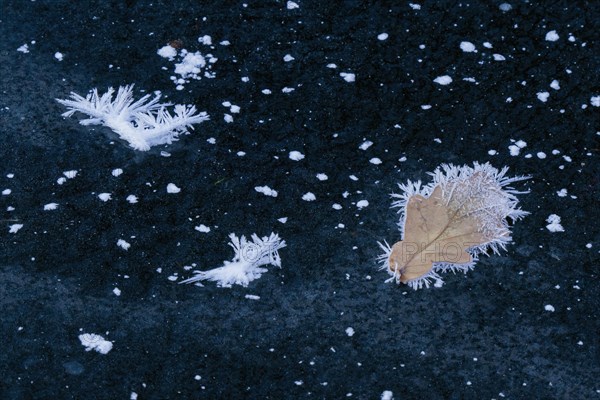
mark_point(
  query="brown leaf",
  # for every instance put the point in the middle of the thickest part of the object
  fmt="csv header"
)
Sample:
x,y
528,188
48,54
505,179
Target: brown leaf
x,y
433,233
448,223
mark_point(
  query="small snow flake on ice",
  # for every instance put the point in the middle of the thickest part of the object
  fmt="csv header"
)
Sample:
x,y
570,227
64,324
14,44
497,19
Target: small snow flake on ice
x,y
387,395
505,7
322,177
6,192
252,297
554,225
117,291
288,58
415,6
296,155
23,49
116,172
14,228
365,145
104,196
59,56
499,57
467,47
541,155
375,161
336,206
562,193
70,174
227,118
443,80
123,244
382,36
205,40
167,52
595,101
292,5
172,188
350,331
549,307
348,76
426,106
202,228
132,199
308,196
521,144
543,96
282,220
247,261
91,341
552,36
362,204
555,85
50,206
267,191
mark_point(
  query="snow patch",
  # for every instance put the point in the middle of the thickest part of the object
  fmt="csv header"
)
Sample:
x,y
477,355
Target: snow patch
x,y
348,76
554,223
172,188
267,191
443,80
552,36
50,206
308,196
91,341
123,244
202,228
468,47
296,155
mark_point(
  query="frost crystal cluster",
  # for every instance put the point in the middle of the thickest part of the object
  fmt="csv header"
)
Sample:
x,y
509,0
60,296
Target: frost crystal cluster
x,y
143,123
246,264
446,224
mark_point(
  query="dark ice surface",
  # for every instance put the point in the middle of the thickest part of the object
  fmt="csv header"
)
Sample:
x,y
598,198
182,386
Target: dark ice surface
x,y
483,335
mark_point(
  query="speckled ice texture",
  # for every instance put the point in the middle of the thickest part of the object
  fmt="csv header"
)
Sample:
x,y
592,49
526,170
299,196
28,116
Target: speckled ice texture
x,y
484,335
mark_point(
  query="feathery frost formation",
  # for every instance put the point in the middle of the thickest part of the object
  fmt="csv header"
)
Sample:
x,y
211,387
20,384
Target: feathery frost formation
x,y
246,264
143,123
446,224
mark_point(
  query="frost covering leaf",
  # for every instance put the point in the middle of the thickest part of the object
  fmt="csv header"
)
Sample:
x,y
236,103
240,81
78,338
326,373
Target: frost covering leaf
x,y
143,123
446,224
246,264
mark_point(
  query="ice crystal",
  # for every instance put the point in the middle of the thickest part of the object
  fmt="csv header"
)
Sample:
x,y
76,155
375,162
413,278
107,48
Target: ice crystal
x,y
246,264
143,123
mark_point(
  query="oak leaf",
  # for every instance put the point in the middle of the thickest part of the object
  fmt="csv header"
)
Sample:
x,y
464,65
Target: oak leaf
x,y
447,223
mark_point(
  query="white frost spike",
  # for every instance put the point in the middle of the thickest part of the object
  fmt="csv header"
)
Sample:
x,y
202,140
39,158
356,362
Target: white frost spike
x,y
143,123
246,264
